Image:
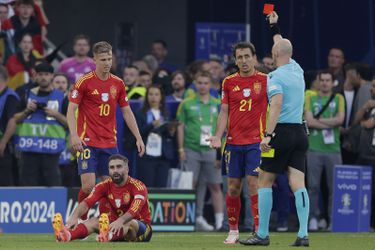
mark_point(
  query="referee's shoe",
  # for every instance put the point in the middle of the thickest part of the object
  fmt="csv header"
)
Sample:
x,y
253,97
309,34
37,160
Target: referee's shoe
x,y
255,240
301,242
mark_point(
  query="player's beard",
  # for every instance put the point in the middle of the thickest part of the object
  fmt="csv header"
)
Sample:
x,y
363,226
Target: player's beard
x,y
117,178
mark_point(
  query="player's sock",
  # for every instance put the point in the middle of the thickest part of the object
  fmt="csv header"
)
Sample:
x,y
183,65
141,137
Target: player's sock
x,y
79,233
81,196
233,211
302,206
254,210
265,207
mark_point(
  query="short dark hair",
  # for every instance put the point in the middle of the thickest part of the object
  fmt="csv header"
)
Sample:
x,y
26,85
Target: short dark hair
x,y
26,2
3,73
61,74
118,157
101,47
326,72
81,37
179,72
162,42
131,67
365,71
243,45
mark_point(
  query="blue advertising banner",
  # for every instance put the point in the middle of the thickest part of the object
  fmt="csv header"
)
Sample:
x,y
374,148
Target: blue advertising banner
x,y
215,40
30,210
351,199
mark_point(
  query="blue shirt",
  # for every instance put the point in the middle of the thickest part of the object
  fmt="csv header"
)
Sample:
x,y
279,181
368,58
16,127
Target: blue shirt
x,y
288,80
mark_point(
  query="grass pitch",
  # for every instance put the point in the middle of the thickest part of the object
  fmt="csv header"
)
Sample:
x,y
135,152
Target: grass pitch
x,y
181,241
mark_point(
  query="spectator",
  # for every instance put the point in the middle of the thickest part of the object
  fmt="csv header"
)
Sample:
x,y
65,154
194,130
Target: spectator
x,y
152,121
178,83
20,65
336,60
9,101
217,73
197,117
25,22
351,85
141,66
366,117
151,63
131,77
364,93
196,67
6,41
267,61
145,79
324,114
162,79
41,136
191,92
159,49
80,64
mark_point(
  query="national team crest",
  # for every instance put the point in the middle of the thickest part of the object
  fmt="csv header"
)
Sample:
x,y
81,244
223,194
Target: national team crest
x,y
105,97
246,92
126,198
118,203
84,165
113,92
257,87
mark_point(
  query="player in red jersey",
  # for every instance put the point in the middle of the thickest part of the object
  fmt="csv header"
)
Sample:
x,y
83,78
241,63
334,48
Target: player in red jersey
x,y
93,132
243,113
126,198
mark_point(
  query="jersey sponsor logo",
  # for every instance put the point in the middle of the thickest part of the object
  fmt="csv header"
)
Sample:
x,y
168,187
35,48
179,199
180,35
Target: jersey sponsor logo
x,y
236,88
246,92
126,198
118,203
257,87
74,94
105,97
95,92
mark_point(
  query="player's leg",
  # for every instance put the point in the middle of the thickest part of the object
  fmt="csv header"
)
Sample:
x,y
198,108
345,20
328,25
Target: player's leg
x,y
137,231
82,230
233,163
87,166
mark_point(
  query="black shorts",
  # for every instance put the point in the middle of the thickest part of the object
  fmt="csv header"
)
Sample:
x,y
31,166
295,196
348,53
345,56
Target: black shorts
x,y
290,144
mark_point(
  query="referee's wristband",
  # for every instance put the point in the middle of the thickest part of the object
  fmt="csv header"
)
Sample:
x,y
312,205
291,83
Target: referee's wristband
x,y
275,29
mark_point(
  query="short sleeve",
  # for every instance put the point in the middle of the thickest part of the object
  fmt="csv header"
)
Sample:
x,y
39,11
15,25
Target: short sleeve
x,y
77,92
181,116
140,198
341,102
224,93
122,97
273,86
307,103
96,194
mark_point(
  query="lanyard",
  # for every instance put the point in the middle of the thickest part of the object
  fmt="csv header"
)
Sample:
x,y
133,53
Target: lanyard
x,y
200,111
332,109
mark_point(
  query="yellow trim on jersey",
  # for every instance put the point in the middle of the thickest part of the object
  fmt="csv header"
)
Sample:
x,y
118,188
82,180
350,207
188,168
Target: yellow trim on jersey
x,y
79,82
136,205
261,126
116,77
84,128
136,184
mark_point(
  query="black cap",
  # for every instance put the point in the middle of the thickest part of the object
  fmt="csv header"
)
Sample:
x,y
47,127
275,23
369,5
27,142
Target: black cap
x,y
44,67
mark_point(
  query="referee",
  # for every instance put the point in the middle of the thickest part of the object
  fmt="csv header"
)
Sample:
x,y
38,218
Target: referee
x,y
285,142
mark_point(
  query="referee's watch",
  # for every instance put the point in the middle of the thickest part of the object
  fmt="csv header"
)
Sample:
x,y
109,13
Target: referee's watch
x,y
272,135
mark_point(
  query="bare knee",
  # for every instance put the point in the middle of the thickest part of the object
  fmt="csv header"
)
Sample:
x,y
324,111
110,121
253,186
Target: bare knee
x,y
234,190
86,188
266,179
214,188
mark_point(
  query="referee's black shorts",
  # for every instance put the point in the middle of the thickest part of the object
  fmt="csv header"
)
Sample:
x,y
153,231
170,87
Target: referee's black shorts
x,y
290,144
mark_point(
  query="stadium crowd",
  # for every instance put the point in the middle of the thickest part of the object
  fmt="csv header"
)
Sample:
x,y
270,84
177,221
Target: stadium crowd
x,y
170,119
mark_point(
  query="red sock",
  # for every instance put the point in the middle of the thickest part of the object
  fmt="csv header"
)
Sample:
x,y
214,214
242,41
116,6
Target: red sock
x,y
79,233
233,211
254,210
81,196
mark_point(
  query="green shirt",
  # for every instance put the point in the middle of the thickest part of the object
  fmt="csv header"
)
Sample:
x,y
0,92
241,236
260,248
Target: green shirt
x,y
195,114
314,104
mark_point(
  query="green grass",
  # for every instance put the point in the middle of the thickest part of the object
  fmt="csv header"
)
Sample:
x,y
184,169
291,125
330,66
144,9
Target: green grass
x,y
189,241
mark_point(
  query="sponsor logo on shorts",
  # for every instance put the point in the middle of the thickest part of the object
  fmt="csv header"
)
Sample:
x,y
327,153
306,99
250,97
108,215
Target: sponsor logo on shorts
x,y
84,165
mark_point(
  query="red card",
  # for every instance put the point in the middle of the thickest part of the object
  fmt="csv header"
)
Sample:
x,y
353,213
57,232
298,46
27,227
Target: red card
x,y
268,8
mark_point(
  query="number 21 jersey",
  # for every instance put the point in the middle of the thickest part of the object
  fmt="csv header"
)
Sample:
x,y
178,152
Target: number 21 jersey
x,y
247,107
97,101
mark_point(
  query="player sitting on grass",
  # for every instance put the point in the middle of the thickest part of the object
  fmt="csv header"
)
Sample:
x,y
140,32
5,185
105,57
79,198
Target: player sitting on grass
x,y
127,202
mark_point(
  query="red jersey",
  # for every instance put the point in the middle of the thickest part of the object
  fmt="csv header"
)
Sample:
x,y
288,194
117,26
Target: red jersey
x,y
247,102
97,102
131,198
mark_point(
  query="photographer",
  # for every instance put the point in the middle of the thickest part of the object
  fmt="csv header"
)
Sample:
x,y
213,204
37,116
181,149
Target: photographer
x,y
41,134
